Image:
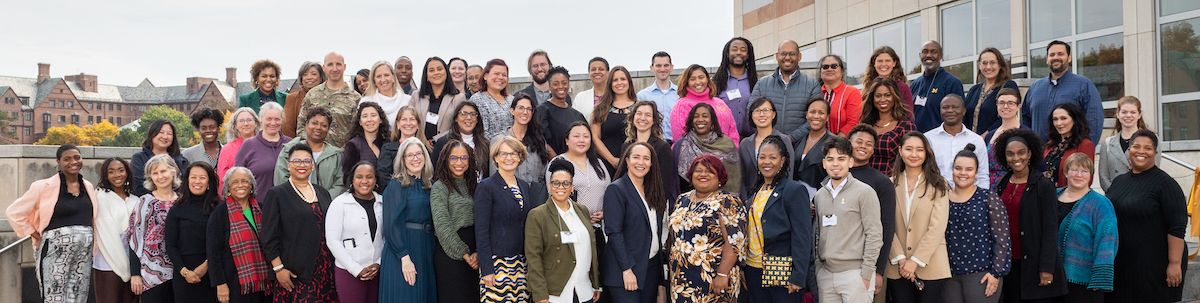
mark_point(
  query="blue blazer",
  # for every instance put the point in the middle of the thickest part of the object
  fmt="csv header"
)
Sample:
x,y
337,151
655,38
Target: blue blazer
x,y
629,233
495,203
787,227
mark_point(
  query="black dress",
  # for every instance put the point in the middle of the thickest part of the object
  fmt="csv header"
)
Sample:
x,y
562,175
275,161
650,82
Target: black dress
x,y
612,133
1150,206
187,229
556,123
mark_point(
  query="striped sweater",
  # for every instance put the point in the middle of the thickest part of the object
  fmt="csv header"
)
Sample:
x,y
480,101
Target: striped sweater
x,y
1087,239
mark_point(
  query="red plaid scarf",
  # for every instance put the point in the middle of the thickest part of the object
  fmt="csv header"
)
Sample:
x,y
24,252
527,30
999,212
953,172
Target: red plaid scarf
x,y
243,244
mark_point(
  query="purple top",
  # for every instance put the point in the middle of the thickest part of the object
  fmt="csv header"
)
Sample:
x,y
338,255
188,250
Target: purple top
x,y
738,105
260,156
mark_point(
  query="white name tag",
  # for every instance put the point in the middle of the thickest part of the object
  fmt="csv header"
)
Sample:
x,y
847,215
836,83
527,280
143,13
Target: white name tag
x,y
431,118
568,237
828,220
733,94
919,101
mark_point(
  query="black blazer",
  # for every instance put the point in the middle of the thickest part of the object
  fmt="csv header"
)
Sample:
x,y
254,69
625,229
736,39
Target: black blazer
x,y
1039,238
496,204
290,230
629,233
809,170
787,227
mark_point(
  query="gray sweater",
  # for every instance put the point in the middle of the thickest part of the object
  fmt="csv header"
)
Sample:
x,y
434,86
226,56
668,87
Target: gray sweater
x,y
854,241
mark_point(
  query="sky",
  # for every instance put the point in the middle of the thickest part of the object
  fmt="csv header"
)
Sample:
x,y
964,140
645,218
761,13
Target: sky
x,y
124,41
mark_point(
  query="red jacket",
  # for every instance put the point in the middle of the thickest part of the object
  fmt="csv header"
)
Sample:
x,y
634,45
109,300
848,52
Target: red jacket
x,y
845,108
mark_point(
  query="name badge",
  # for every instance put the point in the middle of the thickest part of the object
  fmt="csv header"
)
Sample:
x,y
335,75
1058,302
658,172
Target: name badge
x,y
733,94
919,101
828,220
431,118
568,237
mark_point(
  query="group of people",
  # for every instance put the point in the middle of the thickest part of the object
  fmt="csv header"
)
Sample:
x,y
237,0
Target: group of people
x,y
711,188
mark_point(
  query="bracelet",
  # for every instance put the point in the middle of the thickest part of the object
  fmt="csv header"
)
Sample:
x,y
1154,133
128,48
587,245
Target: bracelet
x,y
723,275
277,268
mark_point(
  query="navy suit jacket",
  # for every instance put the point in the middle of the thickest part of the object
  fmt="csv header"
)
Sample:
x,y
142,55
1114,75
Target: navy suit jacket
x,y
787,227
628,233
495,204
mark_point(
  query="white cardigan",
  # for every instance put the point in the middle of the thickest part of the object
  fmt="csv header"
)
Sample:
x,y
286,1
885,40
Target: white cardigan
x,y
112,222
348,234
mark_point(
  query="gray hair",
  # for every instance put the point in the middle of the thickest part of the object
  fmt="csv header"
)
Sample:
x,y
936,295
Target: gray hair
x,y
231,125
153,163
401,172
229,174
262,110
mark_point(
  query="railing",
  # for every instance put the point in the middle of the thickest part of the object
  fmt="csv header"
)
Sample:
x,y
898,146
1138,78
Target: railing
x,y
14,244
1171,158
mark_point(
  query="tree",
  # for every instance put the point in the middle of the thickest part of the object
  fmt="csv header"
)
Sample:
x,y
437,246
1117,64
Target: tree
x,y
7,135
127,137
184,132
102,130
69,134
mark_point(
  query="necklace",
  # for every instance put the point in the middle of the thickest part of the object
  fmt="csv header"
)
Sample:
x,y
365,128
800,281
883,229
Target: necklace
x,y
301,194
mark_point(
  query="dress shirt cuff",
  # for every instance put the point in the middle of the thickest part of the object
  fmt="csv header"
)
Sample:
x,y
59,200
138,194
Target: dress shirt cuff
x,y
919,262
897,259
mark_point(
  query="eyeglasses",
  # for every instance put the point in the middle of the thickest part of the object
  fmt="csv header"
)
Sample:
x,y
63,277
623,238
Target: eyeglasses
x,y
1079,171
506,155
1006,103
468,114
763,111
459,158
523,109
412,156
560,184
788,54
830,66
989,62
301,162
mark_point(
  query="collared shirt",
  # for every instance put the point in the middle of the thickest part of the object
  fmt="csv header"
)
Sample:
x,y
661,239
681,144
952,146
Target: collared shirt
x,y
946,146
740,88
835,190
1045,94
579,282
341,103
664,99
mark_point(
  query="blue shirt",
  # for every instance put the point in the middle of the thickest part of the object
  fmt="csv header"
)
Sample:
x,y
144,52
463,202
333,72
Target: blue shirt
x,y
739,105
977,238
1045,94
928,115
664,99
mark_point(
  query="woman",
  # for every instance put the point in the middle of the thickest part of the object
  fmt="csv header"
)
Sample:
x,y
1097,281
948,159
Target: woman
x,y
310,75
537,152
646,126
58,212
1029,199
1113,159
243,124
326,173
160,140
844,101
700,90
458,73
354,237
763,117
408,221
609,116
437,97
362,80
703,136
598,74
889,120
293,220
1067,137
778,229
452,203
808,167
110,260
976,236
994,74
493,102
702,259
151,269
886,64
237,266
261,152
408,125
186,232
367,136
500,213
556,115
1149,204
382,89
557,231
264,75
467,130
1087,226
918,264
637,206
1008,103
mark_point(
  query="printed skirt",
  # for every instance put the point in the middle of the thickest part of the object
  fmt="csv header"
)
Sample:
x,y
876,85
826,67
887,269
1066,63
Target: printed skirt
x,y
510,283
64,270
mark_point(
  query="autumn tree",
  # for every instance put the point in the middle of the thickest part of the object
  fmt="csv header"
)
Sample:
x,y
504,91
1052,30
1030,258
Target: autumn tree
x,y
69,134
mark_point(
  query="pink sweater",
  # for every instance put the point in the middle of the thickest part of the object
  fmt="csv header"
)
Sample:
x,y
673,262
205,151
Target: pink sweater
x,y
679,114
225,160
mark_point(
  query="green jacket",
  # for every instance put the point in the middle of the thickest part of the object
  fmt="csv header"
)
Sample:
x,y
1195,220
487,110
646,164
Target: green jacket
x,y
251,99
326,172
551,262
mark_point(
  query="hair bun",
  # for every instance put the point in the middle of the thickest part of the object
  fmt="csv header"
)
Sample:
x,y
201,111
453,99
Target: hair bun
x,y
970,147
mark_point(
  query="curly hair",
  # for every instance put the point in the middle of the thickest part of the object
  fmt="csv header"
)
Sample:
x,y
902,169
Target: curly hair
x,y
207,113
258,67
1023,136
656,131
382,134
105,184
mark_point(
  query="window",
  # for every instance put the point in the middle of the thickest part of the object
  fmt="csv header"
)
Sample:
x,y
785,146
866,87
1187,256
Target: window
x,y
1049,19
28,132
856,48
1093,29
75,119
91,119
912,45
28,116
70,104
994,19
1179,69
120,121
110,106
749,5
966,29
118,107
1101,60
62,119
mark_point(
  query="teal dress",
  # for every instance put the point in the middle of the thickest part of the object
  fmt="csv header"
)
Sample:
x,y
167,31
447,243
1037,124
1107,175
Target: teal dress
x,y
408,231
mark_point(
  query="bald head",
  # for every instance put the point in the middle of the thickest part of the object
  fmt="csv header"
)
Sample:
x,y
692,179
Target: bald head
x,y
931,56
334,66
788,56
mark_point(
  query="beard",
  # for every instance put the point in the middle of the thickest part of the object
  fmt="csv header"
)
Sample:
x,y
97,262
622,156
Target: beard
x,y
1062,67
540,80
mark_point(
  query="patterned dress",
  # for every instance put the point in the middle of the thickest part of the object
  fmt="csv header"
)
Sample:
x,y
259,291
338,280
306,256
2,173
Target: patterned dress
x,y
510,279
887,145
494,115
318,288
698,230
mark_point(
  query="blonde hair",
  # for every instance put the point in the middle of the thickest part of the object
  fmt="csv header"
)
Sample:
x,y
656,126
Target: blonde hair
x,y
400,172
231,124
1080,160
371,89
409,109
512,143
153,163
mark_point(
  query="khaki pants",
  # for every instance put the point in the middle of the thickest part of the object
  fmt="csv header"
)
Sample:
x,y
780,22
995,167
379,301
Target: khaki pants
x,y
846,286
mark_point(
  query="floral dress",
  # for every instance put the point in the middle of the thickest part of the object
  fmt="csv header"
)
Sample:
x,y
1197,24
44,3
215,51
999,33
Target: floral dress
x,y
698,230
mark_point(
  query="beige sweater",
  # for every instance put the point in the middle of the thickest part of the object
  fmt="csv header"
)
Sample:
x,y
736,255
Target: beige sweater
x,y
854,240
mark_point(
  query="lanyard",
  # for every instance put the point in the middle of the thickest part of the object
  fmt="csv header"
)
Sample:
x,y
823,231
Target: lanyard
x,y
933,79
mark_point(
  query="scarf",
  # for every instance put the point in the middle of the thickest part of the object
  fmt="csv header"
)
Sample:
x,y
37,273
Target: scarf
x,y
244,246
1053,157
147,236
693,145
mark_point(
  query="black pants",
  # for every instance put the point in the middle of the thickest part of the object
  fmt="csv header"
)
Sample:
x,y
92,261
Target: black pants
x,y
159,294
647,289
1011,292
905,291
1081,294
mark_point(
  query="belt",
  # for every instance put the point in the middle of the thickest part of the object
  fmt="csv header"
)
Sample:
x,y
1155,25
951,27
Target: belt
x,y
426,227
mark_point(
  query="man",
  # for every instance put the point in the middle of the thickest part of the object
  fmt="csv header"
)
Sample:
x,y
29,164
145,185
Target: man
x,y
862,141
207,122
787,88
404,74
850,233
734,79
598,73
337,96
953,136
538,66
1061,86
474,75
663,92
933,85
